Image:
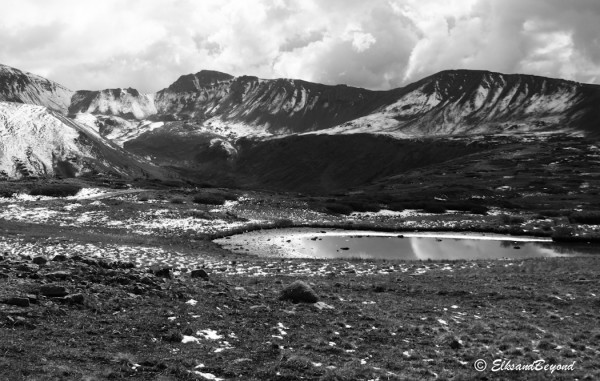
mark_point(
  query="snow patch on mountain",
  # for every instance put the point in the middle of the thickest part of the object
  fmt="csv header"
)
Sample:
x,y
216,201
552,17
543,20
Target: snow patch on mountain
x,y
120,102
34,142
116,129
235,130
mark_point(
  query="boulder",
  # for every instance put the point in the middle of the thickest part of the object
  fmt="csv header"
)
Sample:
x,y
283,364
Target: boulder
x,y
39,260
59,275
163,273
17,301
53,291
299,292
199,273
75,298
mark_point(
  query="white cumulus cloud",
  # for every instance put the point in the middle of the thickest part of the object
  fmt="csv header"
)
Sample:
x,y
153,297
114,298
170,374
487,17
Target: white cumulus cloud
x,y
378,44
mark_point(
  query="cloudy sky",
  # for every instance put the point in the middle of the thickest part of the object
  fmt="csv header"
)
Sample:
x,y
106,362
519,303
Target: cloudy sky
x,y
377,44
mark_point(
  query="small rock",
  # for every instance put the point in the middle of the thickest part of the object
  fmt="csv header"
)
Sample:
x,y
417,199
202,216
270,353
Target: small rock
x,y
199,273
26,267
59,258
39,260
455,344
104,264
344,248
299,292
17,301
163,273
137,290
74,298
89,261
173,336
60,275
53,290
33,299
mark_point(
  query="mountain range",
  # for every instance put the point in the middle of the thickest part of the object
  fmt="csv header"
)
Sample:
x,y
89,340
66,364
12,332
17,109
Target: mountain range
x,y
212,125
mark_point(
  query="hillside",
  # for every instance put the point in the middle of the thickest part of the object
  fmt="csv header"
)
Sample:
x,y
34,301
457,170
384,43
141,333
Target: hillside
x,y
37,142
22,87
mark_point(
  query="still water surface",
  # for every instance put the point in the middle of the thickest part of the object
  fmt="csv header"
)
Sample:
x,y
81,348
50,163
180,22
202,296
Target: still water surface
x,y
314,243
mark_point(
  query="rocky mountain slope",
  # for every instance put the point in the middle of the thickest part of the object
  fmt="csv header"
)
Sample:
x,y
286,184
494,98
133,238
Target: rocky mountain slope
x,y
22,87
278,106
38,142
460,102
128,103
212,122
454,102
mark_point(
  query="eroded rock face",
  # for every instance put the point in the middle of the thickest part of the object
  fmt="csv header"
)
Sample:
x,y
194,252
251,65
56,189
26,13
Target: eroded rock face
x,y
128,103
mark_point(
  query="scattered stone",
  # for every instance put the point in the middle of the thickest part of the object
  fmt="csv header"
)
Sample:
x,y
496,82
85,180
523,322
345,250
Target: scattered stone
x,y
260,307
53,290
59,258
455,344
58,275
104,264
137,290
344,248
33,299
74,298
40,260
163,273
199,273
299,292
323,306
27,267
173,337
17,301
125,265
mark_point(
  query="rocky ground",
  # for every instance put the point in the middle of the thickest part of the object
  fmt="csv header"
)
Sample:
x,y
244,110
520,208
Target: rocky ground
x,y
93,301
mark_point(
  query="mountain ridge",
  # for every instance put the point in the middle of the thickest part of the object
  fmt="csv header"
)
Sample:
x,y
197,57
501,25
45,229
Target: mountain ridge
x,y
450,102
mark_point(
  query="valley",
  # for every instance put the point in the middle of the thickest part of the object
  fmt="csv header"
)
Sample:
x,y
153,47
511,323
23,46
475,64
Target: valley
x,y
114,206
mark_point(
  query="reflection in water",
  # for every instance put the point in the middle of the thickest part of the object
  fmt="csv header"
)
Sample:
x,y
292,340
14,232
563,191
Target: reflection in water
x,y
422,248
340,244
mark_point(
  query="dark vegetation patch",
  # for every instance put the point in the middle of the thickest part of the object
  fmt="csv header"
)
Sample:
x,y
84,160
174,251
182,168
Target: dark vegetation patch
x,y
55,190
592,218
338,208
214,197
